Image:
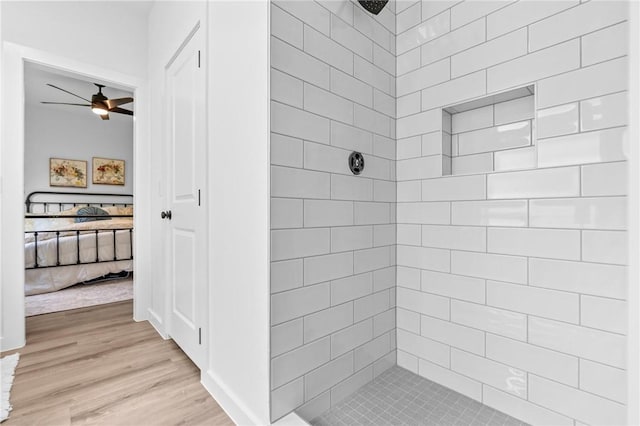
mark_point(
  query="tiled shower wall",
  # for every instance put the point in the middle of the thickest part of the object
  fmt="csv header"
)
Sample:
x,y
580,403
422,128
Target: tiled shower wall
x,y
333,234
511,285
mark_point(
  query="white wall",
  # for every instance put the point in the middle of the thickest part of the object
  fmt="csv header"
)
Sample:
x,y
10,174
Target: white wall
x,y
54,133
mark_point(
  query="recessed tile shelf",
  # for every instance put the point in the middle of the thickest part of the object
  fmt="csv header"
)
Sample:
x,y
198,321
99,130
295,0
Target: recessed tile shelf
x,y
494,133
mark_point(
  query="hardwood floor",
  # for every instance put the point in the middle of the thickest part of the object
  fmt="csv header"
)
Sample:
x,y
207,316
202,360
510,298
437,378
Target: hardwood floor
x,y
97,366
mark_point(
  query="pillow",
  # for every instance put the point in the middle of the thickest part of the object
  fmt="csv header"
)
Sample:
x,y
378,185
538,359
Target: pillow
x,y
91,211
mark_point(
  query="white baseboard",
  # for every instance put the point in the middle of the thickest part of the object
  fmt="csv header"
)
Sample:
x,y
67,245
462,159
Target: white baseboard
x,y
156,323
229,402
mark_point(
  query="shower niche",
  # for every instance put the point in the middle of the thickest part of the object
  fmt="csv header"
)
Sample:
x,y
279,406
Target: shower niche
x,y
494,133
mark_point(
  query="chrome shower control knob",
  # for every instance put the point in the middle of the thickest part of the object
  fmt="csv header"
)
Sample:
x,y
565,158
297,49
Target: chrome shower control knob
x,y
356,162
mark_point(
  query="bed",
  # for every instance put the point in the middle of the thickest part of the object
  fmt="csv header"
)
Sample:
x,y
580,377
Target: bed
x,y
73,238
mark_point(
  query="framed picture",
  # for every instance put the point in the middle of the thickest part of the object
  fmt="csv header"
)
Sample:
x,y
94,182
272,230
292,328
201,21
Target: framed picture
x,y
107,171
63,172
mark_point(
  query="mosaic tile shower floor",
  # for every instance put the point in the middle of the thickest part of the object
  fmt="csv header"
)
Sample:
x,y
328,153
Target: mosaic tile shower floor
x,y
400,397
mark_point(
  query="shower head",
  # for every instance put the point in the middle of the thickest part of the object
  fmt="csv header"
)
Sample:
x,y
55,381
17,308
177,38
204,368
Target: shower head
x,y
373,6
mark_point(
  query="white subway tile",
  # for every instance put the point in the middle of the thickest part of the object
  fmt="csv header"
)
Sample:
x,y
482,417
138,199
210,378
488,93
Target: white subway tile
x,y
371,28
423,348
348,36
286,213
468,11
586,213
559,120
492,52
384,278
521,14
489,213
287,398
596,80
371,305
384,59
515,159
327,213
432,213
500,376
591,147
351,138
450,379
454,188
549,243
286,151
407,361
554,365
495,138
367,213
425,122
471,164
561,182
384,103
604,314
343,8
408,18
293,243
409,235
297,123
371,120
286,275
349,386
328,375
455,286
408,277
580,405
515,110
372,351
423,303
374,76
286,89
286,27
384,235
431,8
490,266
435,143
453,91
350,188
327,321
579,341
458,336
287,58
299,302
605,247
517,407
314,407
605,44
351,88
493,320
351,337
327,104
602,380
351,288
423,258
351,238
408,105
384,191
370,259
428,30
603,112
409,191
421,78
474,119
604,179
579,277
311,13
324,158
328,267
408,61
575,22
386,322
534,66
286,336
535,301
408,320
454,237
419,168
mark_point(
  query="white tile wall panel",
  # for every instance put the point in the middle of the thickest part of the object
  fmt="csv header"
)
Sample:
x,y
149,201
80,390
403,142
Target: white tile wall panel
x,y
350,385
434,143
425,122
351,88
318,213
367,213
534,66
605,247
387,18
420,34
579,341
371,259
458,336
605,44
371,28
424,348
575,22
287,398
286,151
454,286
515,159
386,322
596,80
495,138
423,303
286,213
535,301
286,89
351,337
498,321
409,105
384,278
327,104
523,13
408,61
384,191
384,235
454,237
519,408
292,304
559,182
351,138
409,17
491,53
409,191
423,77
474,119
435,213
377,167
490,213
328,375
351,188
424,258
580,405
327,321
515,110
290,60
549,243
490,266
586,213
348,36
407,361
286,27
591,147
604,314
311,13
469,11
419,168
297,123
346,238
402,5
371,351
604,179
384,59
343,9
409,235
456,90
384,147
500,376
371,120
371,305
579,277
603,112
384,103
450,379
543,362
286,275
431,8
454,188
374,76
286,336
603,380
328,267
409,320
559,120
351,288
293,243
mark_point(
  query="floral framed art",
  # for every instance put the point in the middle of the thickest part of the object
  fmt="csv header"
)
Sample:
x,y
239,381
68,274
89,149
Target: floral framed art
x,y
107,171
64,172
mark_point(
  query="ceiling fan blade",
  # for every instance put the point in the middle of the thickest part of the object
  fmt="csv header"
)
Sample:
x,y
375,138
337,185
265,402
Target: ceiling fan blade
x,y
112,103
104,116
121,111
66,91
64,103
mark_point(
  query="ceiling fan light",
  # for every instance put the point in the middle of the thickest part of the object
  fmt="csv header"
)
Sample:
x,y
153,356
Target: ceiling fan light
x,y
99,110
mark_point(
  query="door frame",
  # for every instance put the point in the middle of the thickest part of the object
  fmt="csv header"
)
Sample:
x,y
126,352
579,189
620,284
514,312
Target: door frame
x,y
14,57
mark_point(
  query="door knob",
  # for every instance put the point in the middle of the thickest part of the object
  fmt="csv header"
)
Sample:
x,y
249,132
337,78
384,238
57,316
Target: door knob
x,y
166,215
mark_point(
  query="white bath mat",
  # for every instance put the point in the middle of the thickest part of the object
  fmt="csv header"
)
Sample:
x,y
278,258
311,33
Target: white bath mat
x,y
8,367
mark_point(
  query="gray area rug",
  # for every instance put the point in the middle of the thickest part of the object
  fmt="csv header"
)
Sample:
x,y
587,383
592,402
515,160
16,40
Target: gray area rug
x,y
79,296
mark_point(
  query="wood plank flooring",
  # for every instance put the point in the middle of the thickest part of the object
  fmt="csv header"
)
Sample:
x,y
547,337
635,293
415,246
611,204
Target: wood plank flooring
x,y
97,366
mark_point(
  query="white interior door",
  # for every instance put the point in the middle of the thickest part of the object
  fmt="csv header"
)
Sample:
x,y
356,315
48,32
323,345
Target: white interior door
x,y
187,220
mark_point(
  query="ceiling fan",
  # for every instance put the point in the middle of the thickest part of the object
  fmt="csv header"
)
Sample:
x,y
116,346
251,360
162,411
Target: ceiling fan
x,y
99,103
